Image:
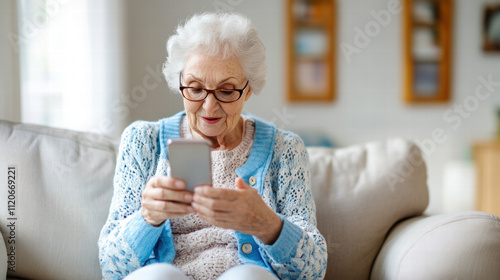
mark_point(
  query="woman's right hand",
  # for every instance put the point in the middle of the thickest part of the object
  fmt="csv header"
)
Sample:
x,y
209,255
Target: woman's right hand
x,y
165,198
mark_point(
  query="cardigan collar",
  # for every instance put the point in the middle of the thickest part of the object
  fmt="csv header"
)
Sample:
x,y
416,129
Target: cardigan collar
x,y
260,155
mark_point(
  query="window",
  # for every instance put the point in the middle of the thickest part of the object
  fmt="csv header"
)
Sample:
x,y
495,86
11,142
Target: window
x,y
66,62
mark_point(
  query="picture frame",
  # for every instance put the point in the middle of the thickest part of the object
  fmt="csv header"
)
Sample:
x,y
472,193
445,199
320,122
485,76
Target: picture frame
x,y
491,28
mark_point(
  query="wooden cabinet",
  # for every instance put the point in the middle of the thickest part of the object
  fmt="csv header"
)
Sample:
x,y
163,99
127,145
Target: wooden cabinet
x,y
310,45
487,162
427,50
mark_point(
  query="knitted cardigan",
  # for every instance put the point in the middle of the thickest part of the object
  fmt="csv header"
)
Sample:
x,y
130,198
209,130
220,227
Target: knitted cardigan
x,y
279,168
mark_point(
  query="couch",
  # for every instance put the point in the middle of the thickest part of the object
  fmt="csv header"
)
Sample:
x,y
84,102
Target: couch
x,y
370,202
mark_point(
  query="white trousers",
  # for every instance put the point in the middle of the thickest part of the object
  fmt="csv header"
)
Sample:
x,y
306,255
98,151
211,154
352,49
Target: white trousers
x,y
166,271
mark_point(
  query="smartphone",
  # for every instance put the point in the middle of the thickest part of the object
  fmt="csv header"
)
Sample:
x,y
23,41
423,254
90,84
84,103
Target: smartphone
x,y
190,160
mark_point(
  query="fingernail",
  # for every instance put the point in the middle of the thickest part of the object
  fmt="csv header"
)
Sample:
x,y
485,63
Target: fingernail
x,y
188,197
198,190
190,209
179,184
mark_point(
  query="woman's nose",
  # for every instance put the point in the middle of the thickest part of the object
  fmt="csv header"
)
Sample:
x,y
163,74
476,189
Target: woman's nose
x,y
210,103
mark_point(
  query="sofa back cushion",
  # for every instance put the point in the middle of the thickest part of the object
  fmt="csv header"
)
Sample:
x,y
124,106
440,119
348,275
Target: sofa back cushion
x,y
360,193
63,187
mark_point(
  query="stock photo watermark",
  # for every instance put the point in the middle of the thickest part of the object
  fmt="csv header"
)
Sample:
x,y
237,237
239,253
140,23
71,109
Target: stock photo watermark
x,y
12,217
363,37
226,5
281,117
347,249
121,107
139,93
454,119
30,27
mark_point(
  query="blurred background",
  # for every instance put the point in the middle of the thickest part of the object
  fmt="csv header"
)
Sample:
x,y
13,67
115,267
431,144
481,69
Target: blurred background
x,y
96,66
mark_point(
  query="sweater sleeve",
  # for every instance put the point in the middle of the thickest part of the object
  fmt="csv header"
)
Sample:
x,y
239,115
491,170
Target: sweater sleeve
x,y
127,242
300,252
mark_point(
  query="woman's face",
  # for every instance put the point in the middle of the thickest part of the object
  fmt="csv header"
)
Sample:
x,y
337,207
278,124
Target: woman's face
x,y
211,118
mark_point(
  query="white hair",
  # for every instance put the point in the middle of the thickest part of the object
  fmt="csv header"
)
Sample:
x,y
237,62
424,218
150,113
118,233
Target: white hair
x,y
215,34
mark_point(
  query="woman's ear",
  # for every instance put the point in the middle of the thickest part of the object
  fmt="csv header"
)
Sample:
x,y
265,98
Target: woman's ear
x,y
249,93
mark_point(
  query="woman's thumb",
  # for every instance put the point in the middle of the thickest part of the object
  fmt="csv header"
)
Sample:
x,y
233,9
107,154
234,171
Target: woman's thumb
x,y
240,184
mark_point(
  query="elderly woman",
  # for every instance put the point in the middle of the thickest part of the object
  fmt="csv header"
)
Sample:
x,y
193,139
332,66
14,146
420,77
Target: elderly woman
x,y
257,219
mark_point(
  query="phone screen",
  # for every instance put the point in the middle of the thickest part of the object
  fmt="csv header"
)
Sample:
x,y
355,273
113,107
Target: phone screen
x,y
190,160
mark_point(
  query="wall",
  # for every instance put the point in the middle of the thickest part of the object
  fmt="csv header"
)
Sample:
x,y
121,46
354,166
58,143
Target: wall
x,y
9,61
369,99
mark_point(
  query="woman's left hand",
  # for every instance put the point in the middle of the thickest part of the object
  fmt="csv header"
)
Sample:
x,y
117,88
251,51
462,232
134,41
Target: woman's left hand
x,y
241,209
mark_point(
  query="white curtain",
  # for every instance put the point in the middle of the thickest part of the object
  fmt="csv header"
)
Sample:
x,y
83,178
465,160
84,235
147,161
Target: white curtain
x,y
71,60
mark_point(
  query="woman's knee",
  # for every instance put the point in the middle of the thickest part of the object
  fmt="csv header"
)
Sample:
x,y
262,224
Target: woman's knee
x,y
157,271
247,272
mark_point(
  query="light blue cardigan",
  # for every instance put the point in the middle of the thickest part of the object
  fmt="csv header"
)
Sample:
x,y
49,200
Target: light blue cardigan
x,y
279,163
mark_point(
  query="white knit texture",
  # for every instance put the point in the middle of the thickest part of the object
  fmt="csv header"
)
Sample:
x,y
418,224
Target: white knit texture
x,y
204,251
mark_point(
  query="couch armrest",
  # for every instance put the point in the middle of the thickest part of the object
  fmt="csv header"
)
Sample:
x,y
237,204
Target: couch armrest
x,y
462,245
3,258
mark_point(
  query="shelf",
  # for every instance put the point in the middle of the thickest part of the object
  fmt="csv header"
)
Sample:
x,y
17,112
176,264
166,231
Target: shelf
x,y
318,23
310,51
437,61
433,25
313,58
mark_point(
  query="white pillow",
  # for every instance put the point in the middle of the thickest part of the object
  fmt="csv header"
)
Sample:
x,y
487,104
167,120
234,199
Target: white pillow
x,y
64,187
360,193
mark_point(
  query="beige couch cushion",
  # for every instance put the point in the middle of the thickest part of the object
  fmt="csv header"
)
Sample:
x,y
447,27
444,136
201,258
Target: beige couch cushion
x,y
63,190
360,193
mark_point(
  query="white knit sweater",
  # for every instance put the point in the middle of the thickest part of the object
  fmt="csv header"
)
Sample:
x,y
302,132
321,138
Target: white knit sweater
x,y
204,251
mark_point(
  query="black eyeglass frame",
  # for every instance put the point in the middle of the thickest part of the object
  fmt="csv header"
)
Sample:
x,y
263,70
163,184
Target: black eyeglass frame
x,y
213,91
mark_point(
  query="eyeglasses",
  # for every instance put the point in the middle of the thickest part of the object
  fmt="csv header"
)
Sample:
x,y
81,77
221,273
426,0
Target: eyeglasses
x,y
198,94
